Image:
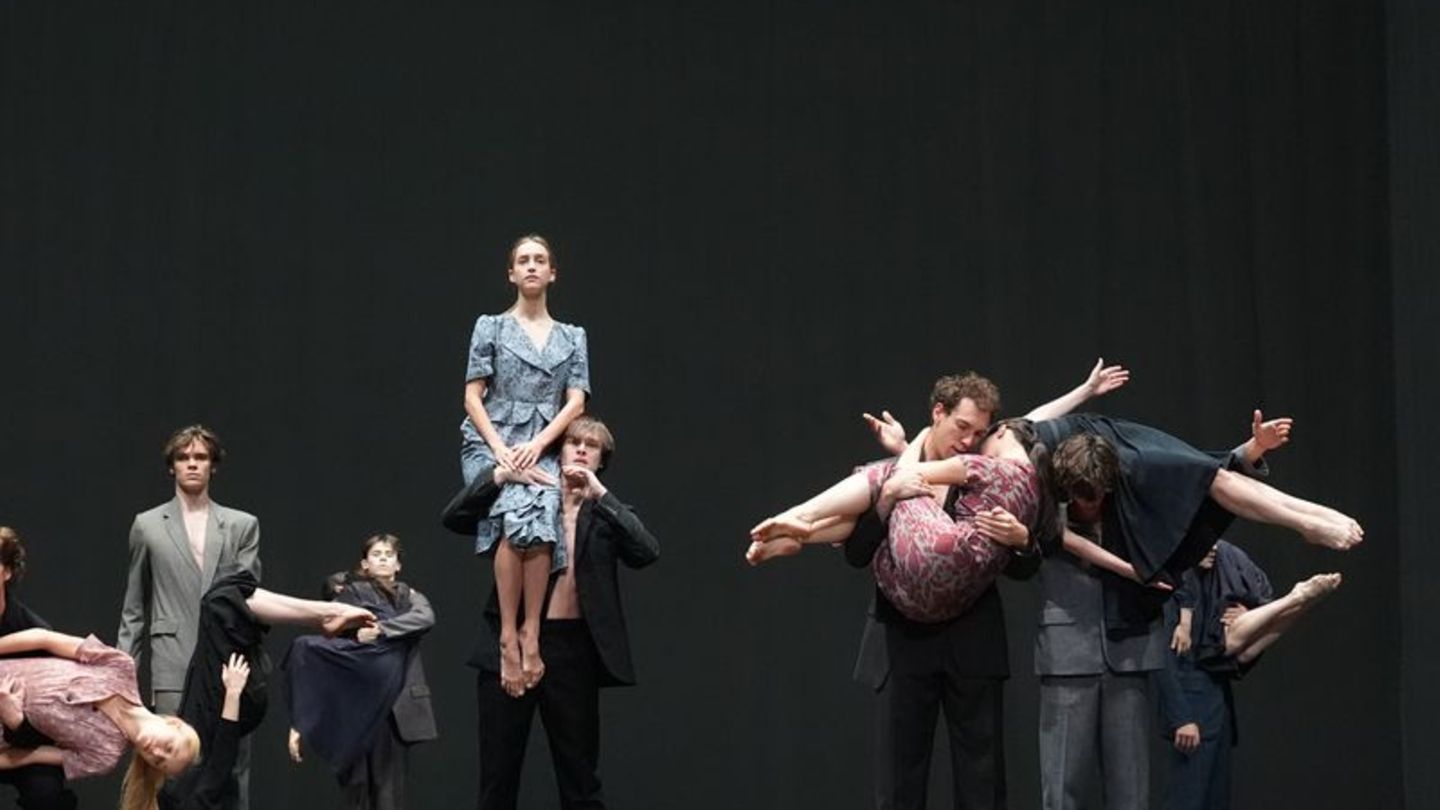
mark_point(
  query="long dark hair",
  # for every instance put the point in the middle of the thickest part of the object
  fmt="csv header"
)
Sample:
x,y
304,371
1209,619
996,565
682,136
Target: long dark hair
x,y
1045,527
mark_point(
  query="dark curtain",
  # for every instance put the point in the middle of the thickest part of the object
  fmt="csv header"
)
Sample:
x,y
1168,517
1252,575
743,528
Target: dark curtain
x,y
281,220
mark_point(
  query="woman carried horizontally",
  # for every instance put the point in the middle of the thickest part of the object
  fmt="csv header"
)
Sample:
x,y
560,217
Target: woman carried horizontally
x,y
527,377
935,562
1166,504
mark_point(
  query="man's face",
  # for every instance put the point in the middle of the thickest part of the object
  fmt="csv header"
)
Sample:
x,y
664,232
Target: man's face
x,y
381,562
581,450
192,468
1208,561
957,430
1085,510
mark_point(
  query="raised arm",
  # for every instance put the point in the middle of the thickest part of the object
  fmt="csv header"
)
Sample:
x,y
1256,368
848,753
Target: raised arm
x,y
1264,437
1102,380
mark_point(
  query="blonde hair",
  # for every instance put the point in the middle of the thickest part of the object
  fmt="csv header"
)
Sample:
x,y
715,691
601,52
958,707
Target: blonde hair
x,y
141,788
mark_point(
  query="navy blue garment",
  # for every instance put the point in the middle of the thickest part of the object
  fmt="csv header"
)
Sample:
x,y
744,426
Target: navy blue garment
x,y
1234,580
1160,517
342,690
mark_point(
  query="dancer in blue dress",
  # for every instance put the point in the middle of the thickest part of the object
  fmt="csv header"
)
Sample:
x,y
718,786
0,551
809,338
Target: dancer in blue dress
x,y
528,376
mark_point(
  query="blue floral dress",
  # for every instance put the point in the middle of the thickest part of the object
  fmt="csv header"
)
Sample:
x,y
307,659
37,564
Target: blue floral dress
x,y
525,387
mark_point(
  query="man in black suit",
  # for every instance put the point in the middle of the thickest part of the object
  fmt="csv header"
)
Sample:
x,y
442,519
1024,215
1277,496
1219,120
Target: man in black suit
x,y
586,644
918,668
41,787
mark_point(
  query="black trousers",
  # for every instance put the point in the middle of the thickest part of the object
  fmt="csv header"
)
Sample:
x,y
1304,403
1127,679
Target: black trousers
x,y
909,704
41,787
568,698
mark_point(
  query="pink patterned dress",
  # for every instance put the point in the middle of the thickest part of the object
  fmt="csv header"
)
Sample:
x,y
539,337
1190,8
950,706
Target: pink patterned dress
x,y
933,564
60,702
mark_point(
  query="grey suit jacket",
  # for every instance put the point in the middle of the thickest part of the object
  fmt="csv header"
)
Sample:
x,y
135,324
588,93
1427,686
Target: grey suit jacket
x,y
161,615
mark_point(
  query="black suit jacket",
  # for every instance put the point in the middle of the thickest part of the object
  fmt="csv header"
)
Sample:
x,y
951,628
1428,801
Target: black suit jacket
x,y
972,645
607,533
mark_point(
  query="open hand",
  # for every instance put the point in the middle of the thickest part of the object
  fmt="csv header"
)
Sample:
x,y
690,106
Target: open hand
x,y
888,431
523,456
235,673
293,746
1180,640
1103,379
340,617
1270,434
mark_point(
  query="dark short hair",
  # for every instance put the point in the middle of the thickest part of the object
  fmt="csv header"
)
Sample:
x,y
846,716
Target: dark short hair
x,y
952,388
333,585
12,552
586,425
537,239
1086,466
378,538
181,439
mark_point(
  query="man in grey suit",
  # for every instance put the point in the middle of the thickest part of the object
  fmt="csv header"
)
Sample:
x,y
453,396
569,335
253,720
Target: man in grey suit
x,y
175,550
1099,639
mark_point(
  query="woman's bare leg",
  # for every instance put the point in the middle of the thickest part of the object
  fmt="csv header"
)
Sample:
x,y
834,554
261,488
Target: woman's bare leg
x,y
509,585
1250,633
535,567
826,530
1259,502
846,500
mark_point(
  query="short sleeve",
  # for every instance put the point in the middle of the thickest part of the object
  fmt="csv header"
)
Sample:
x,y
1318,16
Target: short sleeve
x,y
580,363
481,363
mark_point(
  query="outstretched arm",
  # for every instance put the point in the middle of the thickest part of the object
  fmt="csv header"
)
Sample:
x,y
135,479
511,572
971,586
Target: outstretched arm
x,y
1093,553
1102,380
331,617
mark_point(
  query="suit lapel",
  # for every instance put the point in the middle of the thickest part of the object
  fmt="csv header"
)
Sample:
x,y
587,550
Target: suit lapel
x,y
214,544
583,521
175,527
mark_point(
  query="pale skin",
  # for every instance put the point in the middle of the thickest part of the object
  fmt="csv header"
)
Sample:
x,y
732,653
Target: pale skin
x,y
192,469
830,516
1265,435
523,572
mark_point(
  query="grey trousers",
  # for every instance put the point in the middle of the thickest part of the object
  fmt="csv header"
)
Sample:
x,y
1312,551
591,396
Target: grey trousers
x,y
169,703
1089,722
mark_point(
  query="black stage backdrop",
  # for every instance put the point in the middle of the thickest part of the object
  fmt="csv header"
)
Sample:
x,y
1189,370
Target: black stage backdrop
x,y
281,219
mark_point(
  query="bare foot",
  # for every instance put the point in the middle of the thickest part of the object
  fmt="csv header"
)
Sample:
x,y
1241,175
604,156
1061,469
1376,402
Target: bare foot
x,y
531,667
1340,534
782,525
511,676
782,546
1315,588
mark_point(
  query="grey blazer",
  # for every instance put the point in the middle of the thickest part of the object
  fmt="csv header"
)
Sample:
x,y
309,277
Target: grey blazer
x,y
161,614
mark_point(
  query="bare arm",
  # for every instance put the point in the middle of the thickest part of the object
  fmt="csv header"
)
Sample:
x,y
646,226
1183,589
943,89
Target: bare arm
x,y
40,640
574,406
20,757
331,617
475,409
1102,380
1092,553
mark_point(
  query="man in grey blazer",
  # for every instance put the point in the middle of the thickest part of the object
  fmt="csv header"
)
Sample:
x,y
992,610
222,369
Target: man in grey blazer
x,y
1099,639
175,550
